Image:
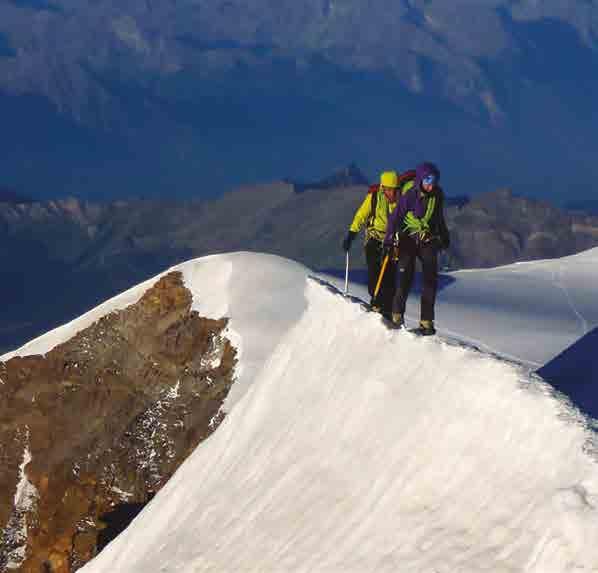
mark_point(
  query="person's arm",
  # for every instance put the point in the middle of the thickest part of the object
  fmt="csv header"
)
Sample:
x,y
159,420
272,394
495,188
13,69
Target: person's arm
x,y
395,219
391,225
362,214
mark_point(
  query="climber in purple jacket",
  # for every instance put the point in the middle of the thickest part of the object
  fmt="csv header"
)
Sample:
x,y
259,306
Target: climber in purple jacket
x,y
418,225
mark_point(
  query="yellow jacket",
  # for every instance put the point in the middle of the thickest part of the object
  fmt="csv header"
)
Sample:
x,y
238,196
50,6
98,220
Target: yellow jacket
x,y
376,226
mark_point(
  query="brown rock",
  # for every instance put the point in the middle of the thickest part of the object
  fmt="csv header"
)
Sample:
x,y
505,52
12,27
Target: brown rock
x,y
106,418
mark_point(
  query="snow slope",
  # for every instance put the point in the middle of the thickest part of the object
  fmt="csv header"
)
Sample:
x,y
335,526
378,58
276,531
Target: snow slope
x,y
356,448
529,312
532,310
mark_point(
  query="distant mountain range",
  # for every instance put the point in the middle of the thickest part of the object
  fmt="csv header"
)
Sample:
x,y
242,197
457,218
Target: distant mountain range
x,y
589,206
83,252
105,99
9,196
349,176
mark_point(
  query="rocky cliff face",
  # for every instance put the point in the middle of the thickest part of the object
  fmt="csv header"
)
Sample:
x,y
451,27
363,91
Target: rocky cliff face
x,y
102,420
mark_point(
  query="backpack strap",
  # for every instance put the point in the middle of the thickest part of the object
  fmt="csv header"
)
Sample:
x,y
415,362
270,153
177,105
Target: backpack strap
x,y
373,191
404,179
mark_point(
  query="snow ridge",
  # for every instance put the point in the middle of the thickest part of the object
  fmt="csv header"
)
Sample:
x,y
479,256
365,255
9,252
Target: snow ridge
x,y
358,448
350,447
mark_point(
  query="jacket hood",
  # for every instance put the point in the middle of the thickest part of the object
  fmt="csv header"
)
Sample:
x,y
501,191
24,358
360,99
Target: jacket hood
x,y
423,170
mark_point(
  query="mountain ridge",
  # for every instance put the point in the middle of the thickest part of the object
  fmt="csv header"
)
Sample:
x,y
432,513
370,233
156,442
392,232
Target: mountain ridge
x,y
293,465
93,250
302,319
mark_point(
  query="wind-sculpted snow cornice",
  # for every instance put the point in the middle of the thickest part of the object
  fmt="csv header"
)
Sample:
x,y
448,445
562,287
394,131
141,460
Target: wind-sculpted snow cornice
x,y
51,40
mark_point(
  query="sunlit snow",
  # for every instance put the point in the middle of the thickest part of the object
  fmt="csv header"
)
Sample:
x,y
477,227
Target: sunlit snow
x,y
350,447
528,312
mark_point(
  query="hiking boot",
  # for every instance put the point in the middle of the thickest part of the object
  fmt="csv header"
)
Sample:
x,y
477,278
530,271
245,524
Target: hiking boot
x,y
375,306
397,319
425,328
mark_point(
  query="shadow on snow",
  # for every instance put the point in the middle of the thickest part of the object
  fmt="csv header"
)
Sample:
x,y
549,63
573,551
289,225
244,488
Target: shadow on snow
x,y
574,372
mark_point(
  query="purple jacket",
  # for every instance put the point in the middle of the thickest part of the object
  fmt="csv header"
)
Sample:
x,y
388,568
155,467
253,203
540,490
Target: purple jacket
x,y
414,201
410,201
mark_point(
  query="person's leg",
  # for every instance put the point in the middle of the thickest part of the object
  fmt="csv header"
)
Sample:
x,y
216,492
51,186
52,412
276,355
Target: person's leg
x,y
405,270
429,258
388,287
373,252
409,274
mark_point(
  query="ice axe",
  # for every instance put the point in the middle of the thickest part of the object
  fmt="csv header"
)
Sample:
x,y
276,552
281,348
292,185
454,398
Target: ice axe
x,y
380,276
382,269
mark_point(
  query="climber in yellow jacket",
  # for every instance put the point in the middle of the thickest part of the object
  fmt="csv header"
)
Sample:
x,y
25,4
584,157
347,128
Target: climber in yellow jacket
x,y
373,214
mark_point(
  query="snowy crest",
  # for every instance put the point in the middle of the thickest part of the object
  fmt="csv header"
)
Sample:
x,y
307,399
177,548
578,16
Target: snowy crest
x,y
351,447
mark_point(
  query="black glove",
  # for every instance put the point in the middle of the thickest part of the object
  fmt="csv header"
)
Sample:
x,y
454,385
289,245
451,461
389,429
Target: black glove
x,y
386,249
348,240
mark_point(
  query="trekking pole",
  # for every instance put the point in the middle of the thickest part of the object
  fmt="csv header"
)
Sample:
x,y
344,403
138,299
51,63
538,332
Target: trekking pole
x,y
382,269
347,274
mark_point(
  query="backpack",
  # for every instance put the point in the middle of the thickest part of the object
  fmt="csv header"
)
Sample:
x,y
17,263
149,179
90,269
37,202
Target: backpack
x,y
404,178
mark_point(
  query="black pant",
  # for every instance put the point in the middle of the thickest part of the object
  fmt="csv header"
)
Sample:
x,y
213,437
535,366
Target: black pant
x,y
409,250
374,258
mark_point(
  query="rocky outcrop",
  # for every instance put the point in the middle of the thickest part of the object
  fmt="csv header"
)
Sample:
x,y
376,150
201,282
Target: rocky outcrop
x,y
500,228
349,176
104,419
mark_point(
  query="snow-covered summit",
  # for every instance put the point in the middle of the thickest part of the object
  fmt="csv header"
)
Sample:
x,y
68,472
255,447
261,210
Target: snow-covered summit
x,y
356,448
